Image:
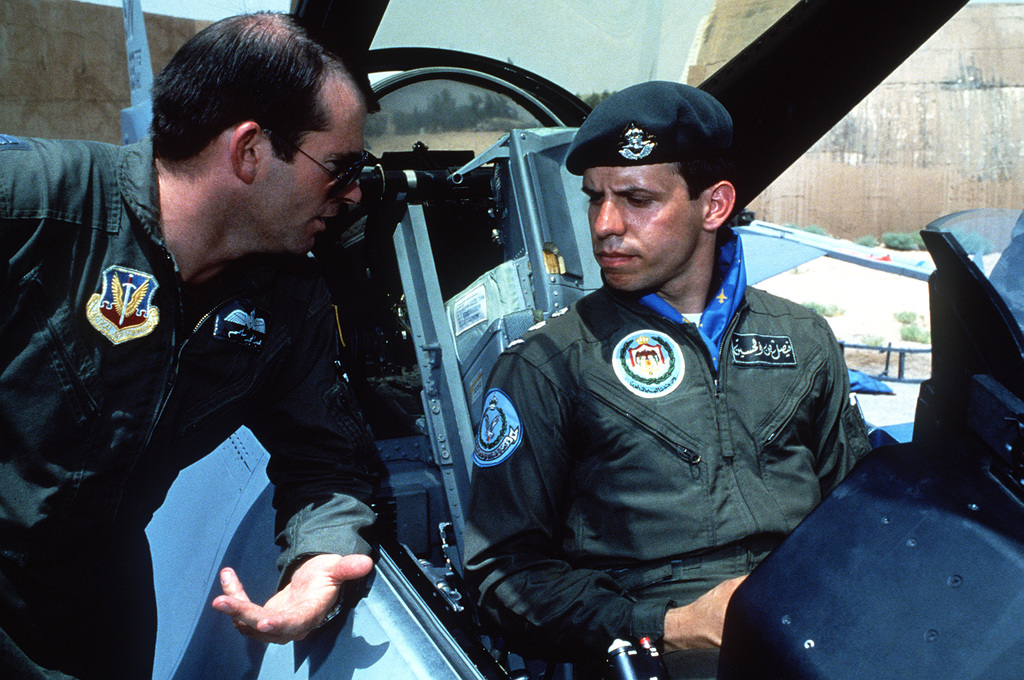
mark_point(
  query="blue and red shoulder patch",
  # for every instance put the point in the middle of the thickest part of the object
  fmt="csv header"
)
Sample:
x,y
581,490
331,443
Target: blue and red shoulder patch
x,y
124,309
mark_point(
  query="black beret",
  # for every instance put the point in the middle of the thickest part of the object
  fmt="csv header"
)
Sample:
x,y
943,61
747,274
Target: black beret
x,y
654,122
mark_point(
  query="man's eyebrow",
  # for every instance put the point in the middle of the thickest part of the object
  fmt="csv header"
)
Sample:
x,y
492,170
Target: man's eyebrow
x,y
344,159
630,190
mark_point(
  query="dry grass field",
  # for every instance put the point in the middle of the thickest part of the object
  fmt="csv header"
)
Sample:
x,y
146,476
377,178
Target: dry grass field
x,y
862,306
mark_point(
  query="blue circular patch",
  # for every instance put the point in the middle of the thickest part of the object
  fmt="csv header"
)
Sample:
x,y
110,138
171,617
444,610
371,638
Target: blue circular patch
x,y
500,430
650,364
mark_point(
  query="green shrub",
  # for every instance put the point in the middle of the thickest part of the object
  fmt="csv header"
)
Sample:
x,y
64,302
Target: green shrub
x,y
873,341
902,241
905,318
912,333
868,241
592,99
825,310
815,229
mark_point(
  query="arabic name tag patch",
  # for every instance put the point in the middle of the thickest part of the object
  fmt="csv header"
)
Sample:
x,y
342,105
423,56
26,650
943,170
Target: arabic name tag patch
x,y
762,350
650,364
501,431
124,310
241,322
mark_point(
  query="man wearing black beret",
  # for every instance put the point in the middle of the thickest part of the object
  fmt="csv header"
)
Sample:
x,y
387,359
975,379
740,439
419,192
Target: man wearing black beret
x,y
665,433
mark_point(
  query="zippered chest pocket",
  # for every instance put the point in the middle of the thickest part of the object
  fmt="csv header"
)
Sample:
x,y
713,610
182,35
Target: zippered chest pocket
x,y
215,373
770,402
618,425
640,488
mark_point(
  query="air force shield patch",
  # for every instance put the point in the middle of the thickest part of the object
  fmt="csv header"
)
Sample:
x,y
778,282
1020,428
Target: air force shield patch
x,y
501,431
124,309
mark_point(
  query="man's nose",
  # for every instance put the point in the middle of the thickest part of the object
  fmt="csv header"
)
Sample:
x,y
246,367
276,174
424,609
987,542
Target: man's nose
x,y
606,220
349,195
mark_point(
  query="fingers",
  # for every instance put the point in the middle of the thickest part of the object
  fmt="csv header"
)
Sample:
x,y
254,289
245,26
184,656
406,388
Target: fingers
x,y
254,621
236,604
699,625
351,567
726,588
330,570
285,626
300,606
286,617
279,626
231,586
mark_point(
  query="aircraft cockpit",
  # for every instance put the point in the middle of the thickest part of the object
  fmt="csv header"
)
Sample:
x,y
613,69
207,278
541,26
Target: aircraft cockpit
x,y
470,232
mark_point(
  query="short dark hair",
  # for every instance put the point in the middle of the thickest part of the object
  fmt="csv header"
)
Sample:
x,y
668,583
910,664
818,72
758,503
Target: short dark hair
x,y
699,174
263,67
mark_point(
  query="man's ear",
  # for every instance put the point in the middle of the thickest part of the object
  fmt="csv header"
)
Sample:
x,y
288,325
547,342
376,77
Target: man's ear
x,y
248,149
720,200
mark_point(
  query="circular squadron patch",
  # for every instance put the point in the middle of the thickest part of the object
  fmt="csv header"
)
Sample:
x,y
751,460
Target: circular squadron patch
x,y
650,364
500,430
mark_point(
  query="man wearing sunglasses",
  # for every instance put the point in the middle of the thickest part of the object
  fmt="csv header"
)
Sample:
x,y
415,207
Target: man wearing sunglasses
x,y
154,298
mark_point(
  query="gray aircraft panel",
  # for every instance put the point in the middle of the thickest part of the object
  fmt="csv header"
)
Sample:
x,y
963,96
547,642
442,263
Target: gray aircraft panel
x,y
218,513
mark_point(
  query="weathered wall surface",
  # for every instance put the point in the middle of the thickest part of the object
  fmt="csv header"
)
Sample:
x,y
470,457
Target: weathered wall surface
x,y
941,134
730,27
63,72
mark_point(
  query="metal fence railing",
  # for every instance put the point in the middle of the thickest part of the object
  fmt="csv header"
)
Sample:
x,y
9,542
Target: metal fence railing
x,y
889,351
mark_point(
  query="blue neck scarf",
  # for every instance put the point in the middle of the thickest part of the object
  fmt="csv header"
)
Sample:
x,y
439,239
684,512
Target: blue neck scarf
x,y
716,316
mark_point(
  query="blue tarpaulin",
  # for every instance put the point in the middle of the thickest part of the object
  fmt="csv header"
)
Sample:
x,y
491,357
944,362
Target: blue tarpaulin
x,y
865,384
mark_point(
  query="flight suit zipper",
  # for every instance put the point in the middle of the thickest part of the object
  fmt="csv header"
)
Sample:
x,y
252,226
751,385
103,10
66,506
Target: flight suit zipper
x,y
178,350
175,351
729,329
721,410
685,454
206,317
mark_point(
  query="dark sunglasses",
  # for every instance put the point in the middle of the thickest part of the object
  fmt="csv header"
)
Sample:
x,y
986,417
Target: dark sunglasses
x,y
340,180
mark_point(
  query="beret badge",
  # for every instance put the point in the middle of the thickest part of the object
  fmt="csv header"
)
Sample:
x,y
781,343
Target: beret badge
x,y
636,143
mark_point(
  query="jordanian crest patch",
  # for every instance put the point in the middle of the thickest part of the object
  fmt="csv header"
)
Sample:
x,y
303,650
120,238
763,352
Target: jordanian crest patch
x,y
124,310
749,349
501,431
242,323
650,364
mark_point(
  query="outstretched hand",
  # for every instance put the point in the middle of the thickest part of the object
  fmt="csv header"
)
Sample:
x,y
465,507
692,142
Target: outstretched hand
x,y
300,606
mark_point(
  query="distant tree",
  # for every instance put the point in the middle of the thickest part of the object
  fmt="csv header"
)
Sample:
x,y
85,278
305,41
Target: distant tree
x,y
595,98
